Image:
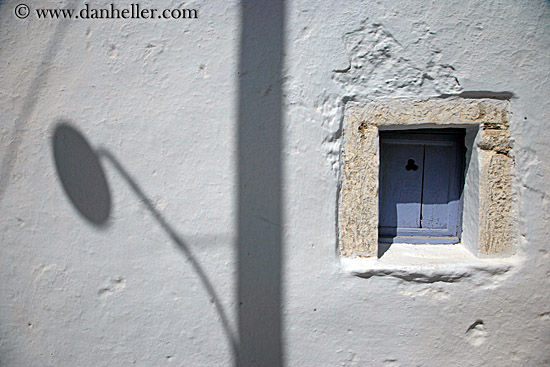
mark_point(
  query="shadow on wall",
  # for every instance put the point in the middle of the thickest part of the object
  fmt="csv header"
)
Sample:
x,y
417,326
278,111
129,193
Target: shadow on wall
x,y
82,176
31,98
259,238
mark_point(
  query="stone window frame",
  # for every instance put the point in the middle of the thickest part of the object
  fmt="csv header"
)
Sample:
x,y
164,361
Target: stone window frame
x,y
488,209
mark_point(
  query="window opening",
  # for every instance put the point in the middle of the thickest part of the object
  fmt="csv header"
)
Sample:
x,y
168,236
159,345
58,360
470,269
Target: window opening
x,y
421,181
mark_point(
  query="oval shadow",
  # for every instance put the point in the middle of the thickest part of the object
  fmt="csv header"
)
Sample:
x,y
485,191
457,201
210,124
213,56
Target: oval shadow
x,y
81,174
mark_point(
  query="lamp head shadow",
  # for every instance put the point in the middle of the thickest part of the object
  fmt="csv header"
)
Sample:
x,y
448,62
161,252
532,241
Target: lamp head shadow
x,y
81,174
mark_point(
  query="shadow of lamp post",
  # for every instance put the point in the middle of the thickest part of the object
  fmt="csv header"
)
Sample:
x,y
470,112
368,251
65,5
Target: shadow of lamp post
x,y
82,176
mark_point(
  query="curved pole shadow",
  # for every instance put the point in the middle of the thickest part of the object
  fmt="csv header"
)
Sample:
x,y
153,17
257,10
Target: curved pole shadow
x,y
83,179
207,284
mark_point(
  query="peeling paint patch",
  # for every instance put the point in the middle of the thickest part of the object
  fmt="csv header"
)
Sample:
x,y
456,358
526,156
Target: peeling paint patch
x,y
391,362
437,293
476,334
380,64
115,285
58,293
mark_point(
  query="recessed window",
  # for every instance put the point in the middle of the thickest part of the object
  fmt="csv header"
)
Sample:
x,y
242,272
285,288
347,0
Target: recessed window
x,y
413,170
421,181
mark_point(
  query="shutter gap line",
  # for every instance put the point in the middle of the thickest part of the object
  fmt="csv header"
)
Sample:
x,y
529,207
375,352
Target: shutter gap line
x,y
422,187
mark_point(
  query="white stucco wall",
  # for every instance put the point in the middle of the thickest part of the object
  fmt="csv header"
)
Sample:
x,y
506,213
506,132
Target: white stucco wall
x,y
162,96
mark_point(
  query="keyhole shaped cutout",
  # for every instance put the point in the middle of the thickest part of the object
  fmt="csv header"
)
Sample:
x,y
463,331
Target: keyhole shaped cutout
x,y
411,165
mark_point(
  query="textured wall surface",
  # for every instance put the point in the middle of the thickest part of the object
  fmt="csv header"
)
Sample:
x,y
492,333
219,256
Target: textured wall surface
x,y
169,111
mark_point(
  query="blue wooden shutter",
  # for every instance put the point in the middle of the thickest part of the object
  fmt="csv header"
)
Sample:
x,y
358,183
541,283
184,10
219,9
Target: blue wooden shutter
x,y
420,185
